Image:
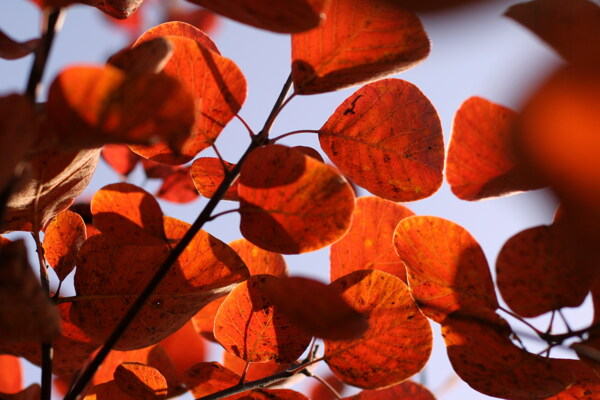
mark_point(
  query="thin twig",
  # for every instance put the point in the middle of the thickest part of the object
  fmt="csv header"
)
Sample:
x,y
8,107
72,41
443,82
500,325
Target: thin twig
x,y
217,215
277,138
279,103
223,163
323,382
248,128
244,373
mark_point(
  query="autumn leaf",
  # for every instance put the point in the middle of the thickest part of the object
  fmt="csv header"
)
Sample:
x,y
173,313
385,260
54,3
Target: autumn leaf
x,y
90,106
407,390
484,357
269,394
120,158
260,261
184,347
318,391
218,88
397,343
482,161
120,9
62,239
207,378
359,41
105,391
585,386
178,187
31,392
572,28
148,57
208,173
290,16
447,270
141,381
10,49
301,205
202,19
11,379
249,325
179,29
368,244
387,138
256,370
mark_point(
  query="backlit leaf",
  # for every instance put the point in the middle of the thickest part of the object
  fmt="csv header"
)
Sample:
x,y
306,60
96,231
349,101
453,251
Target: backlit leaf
x,y
318,391
204,320
180,29
140,381
110,276
488,361
10,49
397,343
178,187
586,385
481,159
269,394
249,326
31,392
316,308
105,391
11,379
447,270
537,273
150,56
218,88
26,313
284,17
53,178
368,244
120,158
572,28
207,174
91,106
184,347
358,42
407,390
62,239
259,261
291,203
256,370
207,378
387,138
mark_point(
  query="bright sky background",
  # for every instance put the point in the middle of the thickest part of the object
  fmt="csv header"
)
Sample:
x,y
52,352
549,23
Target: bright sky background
x,y
476,51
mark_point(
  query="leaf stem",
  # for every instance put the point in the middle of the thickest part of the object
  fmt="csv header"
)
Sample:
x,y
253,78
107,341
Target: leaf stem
x,y
275,139
323,382
217,215
205,215
49,29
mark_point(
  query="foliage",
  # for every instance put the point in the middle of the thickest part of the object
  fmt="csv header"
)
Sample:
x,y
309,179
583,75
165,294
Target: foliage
x,y
148,286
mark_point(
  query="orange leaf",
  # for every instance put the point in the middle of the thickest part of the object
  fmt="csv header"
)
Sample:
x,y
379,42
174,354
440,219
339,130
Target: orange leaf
x,y
207,174
407,390
26,313
141,381
218,88
204,320
179,29
184,347
206,270
150,56
481,159
62,239
11,379
318,391
11,49
572,28
269,394
537,273
120,158
283,17
178,187
316,308
255,371
53,178
447,270
483,356
387,138
260,261
127,214
207,378
91,106
249,326
368,244
398,341
291,203
31,392
359,41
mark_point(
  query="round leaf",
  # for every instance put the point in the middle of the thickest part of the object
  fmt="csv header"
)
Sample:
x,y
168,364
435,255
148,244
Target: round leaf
x,y
207,174
62,239
141,381
404,391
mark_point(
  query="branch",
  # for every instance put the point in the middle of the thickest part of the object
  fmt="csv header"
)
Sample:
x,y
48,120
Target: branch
x,y
205,216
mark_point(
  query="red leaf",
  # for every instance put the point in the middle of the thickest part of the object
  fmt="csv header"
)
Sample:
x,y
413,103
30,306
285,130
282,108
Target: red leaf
x,y
32,392
359,41
481,159
120,158
291,203
218,88
140,381
178,187
259,261
572,28
447,270
204,320
586,385
407,390
319,391
11,379
91,106
184,347
207,378
387,138
483,356
249,326
291,16
179,29
10,49
62,239
207,174
269,394
150,56
256,370
368,244
397,343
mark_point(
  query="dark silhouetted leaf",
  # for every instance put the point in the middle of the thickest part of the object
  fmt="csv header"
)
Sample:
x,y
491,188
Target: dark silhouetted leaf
x,y
397,343
387,138
358,42
150,56
10,49
368,244
299,205
207,378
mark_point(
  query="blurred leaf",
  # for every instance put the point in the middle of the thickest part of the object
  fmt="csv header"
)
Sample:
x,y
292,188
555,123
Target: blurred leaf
x,y
148,57
407,390
31,392
11,379
256,370
10,49
387,138
120,158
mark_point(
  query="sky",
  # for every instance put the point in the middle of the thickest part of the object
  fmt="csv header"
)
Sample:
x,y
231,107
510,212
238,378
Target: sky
x,y
475,52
